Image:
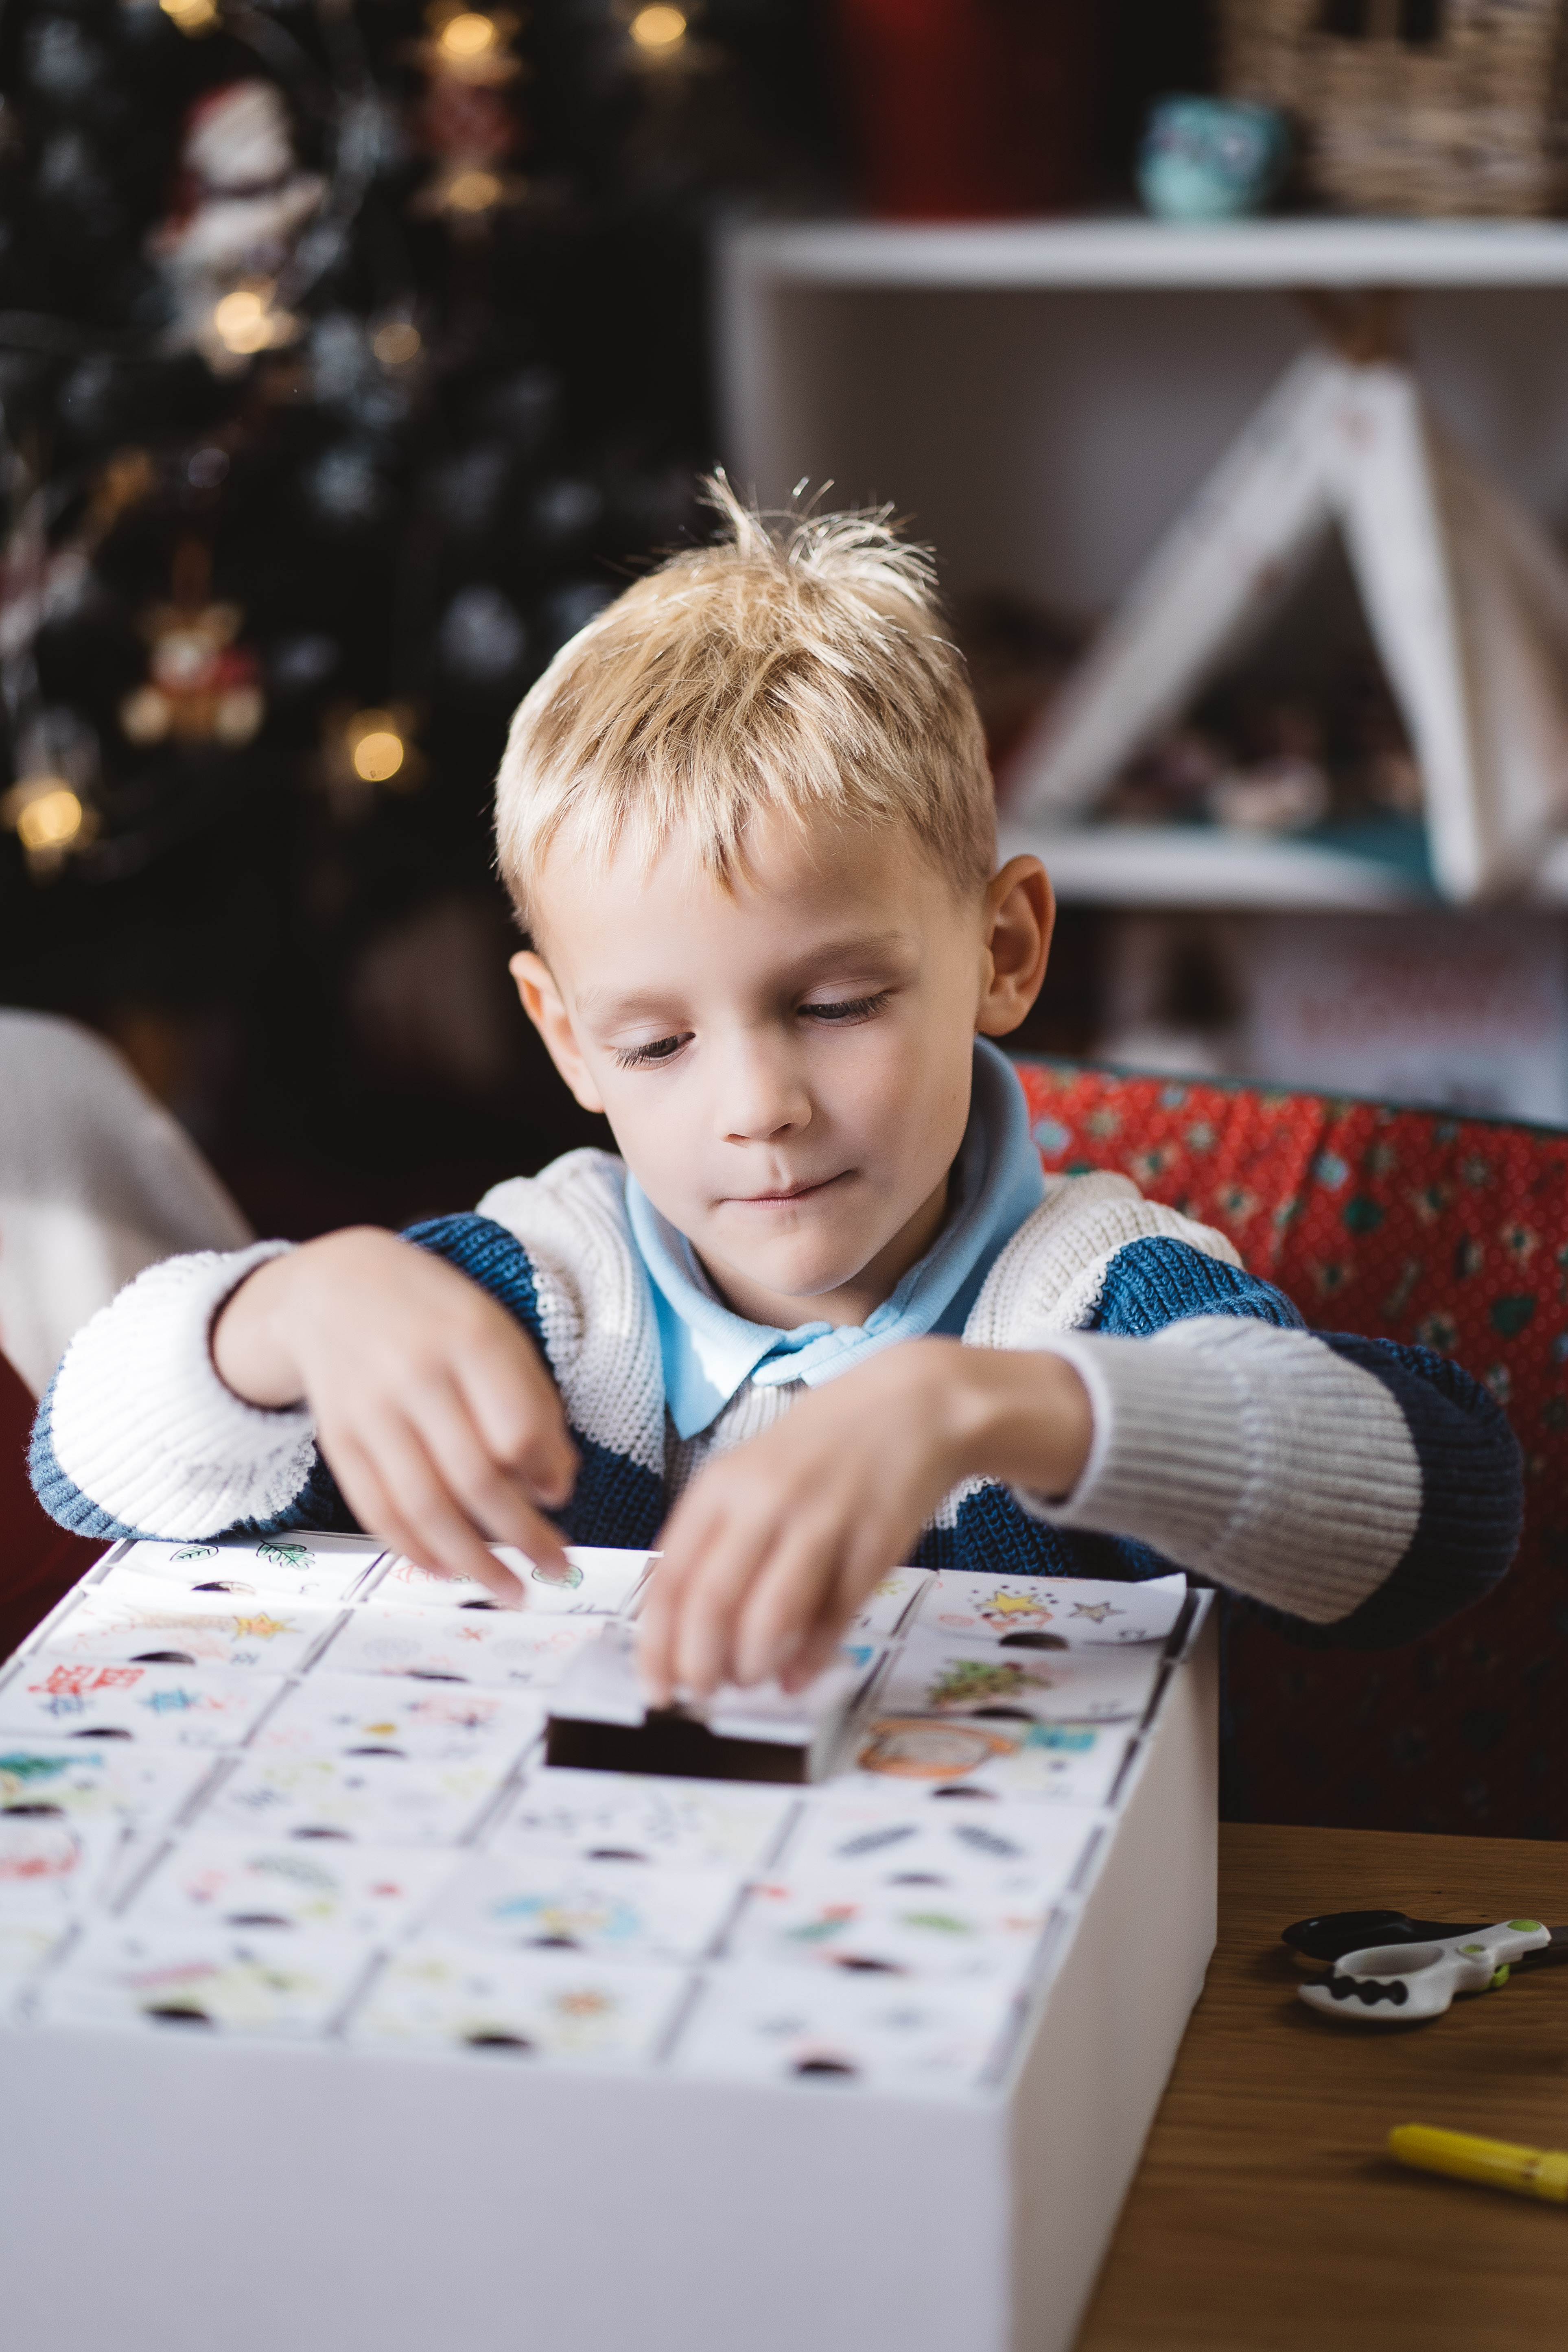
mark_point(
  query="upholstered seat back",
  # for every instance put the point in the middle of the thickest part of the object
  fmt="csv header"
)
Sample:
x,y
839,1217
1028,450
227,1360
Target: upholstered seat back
x,y
1402,1224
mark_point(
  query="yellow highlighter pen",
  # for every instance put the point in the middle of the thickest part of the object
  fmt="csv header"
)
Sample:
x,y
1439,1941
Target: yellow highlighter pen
x,y
1496,2163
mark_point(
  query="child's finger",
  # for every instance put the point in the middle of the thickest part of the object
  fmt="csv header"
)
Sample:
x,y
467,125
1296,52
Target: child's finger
x,y
485,1493
445,1537
816,1652
363,1491
518,1412
682,1544
655,1618
787,1598
366,1493
735,1552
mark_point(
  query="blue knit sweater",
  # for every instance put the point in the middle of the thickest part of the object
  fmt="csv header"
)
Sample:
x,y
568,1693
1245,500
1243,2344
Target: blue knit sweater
x,y
1361,1490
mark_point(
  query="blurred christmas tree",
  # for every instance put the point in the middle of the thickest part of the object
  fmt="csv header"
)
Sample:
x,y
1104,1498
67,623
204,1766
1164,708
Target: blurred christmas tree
x,y
351,355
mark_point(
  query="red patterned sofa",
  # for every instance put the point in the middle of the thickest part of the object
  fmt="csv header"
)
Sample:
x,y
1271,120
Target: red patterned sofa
x,y
1402,1224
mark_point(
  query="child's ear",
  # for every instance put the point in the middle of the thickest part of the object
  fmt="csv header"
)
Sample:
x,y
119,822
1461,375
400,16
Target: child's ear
x,y
543,1003
1020,914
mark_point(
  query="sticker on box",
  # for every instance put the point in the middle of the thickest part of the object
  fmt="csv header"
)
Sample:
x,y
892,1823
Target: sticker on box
x,y
733,1825
370,1798
942,1676
954,1760
322,1568
945,1930
46,1778
163,1707
802,2025
1009,1849
500,1647
56,1865
120,1974
551,2005
596,1583
136,1619
280,1887
433,1723
614,1910
1050,1612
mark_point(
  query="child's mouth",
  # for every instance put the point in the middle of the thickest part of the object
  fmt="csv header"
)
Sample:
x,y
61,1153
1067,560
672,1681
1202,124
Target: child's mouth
x,y
783,1200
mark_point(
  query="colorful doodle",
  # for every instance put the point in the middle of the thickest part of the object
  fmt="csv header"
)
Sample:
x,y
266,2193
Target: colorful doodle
x,y
966,1685
567,1578
913,1748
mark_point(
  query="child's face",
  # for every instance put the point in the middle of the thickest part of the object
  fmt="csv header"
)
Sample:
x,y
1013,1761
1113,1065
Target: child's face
x,y
787,1067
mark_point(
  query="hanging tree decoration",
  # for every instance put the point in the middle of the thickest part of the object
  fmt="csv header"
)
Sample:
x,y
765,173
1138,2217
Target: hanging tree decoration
x,y
464,120
240,202
50,804
201,686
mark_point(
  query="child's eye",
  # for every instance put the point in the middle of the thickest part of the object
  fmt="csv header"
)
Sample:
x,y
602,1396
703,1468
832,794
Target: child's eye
x,y
659,1049
852,1008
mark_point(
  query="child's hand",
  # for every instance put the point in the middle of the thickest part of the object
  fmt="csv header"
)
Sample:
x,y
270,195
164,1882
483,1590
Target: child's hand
x,y
435,1412
772,1549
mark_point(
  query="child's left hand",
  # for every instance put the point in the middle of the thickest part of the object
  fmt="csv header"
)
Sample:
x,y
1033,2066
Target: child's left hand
x,y
772,1549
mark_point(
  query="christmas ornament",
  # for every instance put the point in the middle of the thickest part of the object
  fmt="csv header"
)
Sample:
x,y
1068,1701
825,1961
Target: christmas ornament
x,y
464,121
240,202
201,686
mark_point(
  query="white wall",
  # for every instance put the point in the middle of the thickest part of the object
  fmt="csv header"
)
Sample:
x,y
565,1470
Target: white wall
x,y
1043,441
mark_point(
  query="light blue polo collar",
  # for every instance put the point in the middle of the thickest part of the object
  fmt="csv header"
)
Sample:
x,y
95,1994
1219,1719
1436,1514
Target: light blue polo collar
x,y
709,1352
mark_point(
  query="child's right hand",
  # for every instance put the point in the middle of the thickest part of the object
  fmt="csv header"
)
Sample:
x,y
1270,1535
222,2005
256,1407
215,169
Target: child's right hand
x,y
435,1412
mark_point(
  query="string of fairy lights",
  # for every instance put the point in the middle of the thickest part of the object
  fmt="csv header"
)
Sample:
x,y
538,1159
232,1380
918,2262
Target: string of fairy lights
x,y
260,234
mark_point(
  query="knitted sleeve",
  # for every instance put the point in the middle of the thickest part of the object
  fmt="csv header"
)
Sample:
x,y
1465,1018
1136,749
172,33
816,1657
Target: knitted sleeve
x,y
138,1435
1360,1488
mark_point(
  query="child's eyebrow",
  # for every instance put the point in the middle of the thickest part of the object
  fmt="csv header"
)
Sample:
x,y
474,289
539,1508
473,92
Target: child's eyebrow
x,y
860,955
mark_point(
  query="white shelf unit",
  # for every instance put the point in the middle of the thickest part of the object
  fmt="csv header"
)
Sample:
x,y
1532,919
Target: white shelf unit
x,y
1194,866
1044,428
1133,252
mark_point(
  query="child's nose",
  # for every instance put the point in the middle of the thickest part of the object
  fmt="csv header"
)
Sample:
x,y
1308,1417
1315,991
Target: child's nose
x,y
764,1097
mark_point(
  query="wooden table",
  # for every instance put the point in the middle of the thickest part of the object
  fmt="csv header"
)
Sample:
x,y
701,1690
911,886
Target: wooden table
x,y
1264,2216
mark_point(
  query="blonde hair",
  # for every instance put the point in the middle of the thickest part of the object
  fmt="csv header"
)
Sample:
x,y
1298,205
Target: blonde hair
x,y
798,666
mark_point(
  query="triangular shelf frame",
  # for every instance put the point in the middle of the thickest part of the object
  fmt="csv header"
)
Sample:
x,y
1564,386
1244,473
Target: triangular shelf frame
x,y
1466,596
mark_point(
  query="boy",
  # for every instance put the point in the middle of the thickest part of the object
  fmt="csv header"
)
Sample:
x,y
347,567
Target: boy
x,y
824,1314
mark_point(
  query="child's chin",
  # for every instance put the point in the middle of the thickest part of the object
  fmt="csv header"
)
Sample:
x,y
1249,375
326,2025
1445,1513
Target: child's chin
x,y
806,1279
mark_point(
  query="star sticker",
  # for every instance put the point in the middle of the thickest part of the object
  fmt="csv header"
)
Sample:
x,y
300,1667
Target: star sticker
x,y
1096,1611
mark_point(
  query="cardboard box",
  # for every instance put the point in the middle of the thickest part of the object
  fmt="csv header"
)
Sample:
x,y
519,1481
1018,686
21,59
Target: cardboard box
x,y
198,2191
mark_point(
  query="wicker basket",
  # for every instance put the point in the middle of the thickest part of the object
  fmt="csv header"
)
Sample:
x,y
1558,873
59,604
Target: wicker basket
x,y
1414,106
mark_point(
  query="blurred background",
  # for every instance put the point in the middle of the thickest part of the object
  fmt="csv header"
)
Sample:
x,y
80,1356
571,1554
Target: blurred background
x,y
354,353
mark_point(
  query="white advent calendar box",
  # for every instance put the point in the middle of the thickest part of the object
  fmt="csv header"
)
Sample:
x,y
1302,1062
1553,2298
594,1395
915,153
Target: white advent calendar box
x,y
333,2016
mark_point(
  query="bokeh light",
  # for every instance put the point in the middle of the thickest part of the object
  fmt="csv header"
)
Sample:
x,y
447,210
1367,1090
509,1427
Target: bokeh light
x,y
658,29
